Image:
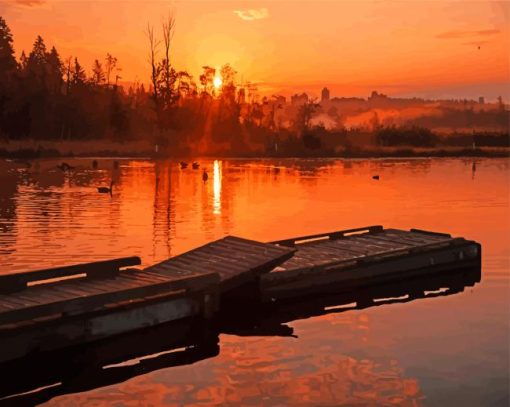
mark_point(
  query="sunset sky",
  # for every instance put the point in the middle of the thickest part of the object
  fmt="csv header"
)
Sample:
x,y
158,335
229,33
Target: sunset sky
x,y
422,48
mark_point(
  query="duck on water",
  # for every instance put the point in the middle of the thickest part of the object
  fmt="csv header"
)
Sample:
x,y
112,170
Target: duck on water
x,y
105,190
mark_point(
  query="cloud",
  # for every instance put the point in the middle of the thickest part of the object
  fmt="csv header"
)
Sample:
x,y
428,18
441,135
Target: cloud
x,y
467,34
252,14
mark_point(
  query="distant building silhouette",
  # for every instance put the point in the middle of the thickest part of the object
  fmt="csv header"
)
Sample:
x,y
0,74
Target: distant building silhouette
x,y
481,100
325,95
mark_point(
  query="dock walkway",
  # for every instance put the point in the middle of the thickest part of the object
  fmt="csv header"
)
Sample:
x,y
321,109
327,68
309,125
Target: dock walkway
x,y
362,256
46,310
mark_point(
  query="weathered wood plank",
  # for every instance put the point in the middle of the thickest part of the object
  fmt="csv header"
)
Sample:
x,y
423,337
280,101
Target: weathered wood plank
x,y
330,235
85,303
230,257
19,281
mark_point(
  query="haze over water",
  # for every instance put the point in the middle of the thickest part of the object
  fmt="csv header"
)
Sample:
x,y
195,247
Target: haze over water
x,y
449,350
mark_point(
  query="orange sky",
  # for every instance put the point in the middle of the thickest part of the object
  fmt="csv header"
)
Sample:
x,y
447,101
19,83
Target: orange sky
x,y
424,48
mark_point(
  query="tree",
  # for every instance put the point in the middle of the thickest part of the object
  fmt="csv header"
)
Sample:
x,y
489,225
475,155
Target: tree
x,y
37,59
168,75
207,78
8,67
78,76
153,51
7,59
23,61
55,69
110,65
305,114
228,87
164,77
98,75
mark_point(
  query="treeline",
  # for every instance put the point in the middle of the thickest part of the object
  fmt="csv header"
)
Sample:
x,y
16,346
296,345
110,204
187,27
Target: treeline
x,y
46,97
43,96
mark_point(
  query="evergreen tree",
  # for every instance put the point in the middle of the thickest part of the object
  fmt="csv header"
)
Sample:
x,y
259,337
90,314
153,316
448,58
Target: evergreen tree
x,y
37,58
55,70
7,59
78,76
23,61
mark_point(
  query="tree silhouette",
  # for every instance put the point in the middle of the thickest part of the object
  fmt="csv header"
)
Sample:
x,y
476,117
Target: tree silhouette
x,y
98,75
7,60
110,65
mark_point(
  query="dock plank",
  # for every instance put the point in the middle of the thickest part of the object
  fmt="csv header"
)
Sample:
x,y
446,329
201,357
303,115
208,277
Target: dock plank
x,y
234,259
374,244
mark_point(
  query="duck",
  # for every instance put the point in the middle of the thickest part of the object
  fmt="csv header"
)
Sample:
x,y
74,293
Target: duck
x,y
195,165
183,165
205,176
105,190
376,177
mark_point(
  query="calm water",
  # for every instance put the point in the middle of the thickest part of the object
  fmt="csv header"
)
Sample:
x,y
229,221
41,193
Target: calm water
x,y
451,350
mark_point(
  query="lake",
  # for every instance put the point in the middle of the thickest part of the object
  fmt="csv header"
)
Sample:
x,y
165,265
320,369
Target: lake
x,y
447,350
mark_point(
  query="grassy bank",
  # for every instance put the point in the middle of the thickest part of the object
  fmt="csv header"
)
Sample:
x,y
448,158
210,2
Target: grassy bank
x,y
30,149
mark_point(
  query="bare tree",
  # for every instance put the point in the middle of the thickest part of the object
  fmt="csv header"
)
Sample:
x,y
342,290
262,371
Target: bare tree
x,y
153,52
168,73
111,63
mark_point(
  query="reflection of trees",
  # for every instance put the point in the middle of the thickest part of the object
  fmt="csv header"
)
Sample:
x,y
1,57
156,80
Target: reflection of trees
x,y
163,215
9,183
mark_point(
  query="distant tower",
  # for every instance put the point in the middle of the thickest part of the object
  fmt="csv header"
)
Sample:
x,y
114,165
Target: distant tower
x,y
481,100
325,95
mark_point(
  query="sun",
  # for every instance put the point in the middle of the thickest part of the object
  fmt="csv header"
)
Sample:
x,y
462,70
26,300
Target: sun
x,y
217,82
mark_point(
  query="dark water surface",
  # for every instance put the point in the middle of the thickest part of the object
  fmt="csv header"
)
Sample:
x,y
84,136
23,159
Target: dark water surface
x,y
449,350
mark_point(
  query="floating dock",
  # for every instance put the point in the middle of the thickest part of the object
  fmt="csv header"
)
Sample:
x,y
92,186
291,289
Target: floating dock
x,y
103,299
48,310
354,258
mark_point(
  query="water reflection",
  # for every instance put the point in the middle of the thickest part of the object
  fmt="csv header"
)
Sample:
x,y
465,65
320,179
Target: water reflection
x,y
217,178
424,348
243,373
157,209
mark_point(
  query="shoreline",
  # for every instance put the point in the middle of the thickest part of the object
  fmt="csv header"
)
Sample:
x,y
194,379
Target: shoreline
x,y
29,150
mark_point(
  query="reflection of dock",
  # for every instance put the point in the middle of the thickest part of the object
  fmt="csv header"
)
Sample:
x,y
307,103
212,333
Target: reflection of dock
x,y
270,319
114,360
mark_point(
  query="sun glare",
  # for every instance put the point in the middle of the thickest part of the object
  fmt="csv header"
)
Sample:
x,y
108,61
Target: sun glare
x,y
217,82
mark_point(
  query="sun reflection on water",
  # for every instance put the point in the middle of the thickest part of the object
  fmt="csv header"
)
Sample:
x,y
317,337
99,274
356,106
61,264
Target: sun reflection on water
x,y
217,188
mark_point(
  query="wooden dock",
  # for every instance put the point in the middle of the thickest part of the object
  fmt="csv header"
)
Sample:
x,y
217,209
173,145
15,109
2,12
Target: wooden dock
x,y
99,300
47,310
354,258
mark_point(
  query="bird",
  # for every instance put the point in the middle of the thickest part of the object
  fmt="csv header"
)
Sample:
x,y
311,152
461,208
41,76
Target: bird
x,y
183,165
105,190
195,165
205,176
376,177
65,167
